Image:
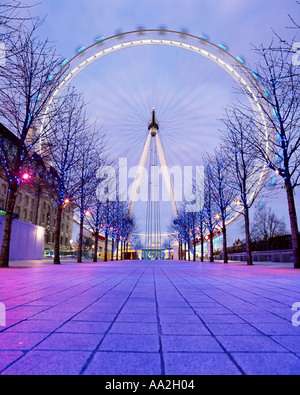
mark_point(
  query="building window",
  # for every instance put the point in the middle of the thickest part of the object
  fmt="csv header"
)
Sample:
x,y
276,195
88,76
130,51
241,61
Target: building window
x,y
2,203
25,215
26,200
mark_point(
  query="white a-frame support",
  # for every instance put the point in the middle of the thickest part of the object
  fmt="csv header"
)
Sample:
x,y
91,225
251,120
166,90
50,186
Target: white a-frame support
x,y
153,133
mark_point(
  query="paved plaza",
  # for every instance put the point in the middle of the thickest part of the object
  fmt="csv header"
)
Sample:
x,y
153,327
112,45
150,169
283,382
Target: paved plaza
x,y
149,318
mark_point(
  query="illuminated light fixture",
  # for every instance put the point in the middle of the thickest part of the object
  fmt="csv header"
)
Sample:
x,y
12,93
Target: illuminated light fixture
x,y
223,47
64,62
240,59
268,94
203,37
25,176
99,39
81,49
276,116
277,172
67,201
255,75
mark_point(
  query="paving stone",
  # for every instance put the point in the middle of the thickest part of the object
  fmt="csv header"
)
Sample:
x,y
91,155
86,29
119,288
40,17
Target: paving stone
x,y
71,342
35,326
8,357
134,328
137,343
84,327
249,344
232,329
20,341
199,364
292,343
183,328
190,344
114,364
268,364
49,363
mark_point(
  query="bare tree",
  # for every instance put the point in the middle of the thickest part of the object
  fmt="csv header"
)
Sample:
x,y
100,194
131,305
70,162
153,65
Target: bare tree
x,y
29,78
65,141
220,179
279,94
267,225
12,17
244,167
90,159
210,205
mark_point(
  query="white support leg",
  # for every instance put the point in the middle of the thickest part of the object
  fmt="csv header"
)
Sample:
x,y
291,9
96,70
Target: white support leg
x,y
166,174
140,174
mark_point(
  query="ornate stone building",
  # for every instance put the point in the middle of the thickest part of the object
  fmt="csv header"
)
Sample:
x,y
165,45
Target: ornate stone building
x,y
36,201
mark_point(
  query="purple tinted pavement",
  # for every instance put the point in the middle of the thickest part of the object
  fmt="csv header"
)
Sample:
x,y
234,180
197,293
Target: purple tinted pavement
x,y
149,318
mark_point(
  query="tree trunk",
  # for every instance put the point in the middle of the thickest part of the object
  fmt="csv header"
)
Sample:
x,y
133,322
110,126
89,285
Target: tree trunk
x,y
202,248
118,241
121,250
112,249
248,238
80,242
294,226
106,247
194,249
4,257
57,236
125,257
225,252
95,260
189,251
211,245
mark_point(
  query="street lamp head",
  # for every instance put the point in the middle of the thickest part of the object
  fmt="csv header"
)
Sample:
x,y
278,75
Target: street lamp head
x,y
25,176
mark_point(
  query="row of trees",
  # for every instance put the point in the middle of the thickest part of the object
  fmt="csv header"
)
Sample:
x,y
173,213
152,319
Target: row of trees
x,y
71,145
114,221
233,174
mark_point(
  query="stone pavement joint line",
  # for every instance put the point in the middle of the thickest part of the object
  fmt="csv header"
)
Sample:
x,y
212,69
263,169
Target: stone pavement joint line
x,y
149,318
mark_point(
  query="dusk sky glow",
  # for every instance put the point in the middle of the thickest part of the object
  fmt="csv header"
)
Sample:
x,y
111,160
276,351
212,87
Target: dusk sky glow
x,y
189,92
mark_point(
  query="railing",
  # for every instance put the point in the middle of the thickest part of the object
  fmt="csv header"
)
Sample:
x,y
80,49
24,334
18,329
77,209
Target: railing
x,y
280,256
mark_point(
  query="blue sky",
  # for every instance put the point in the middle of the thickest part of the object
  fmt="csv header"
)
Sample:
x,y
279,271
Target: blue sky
x,y
189,92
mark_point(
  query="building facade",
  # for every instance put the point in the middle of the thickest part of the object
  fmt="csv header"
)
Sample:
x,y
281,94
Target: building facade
x,y
36,202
